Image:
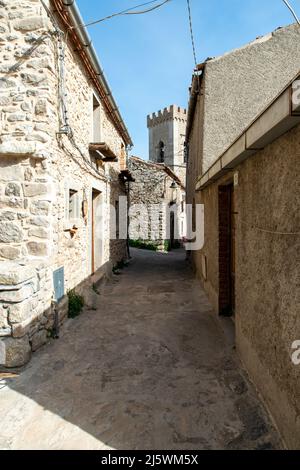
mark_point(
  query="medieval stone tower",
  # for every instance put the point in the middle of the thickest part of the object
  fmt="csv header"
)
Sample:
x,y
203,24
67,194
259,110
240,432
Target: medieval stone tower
x,y
166,139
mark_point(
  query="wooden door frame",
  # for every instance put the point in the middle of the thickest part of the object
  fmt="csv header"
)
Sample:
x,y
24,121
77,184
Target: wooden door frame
x,y
226,249
95,193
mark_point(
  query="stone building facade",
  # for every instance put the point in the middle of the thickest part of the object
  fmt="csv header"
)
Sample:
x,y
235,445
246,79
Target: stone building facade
x,y
157,204
62,162
167,138
243,165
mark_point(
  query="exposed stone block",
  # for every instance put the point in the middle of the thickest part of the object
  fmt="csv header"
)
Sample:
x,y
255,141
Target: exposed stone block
x,y
39,232
10,252
17,295
20,312
8,109
21,329
15,352
5,332
36,189
28,174
17,148
37,248
38,136
15,14
13,189
32,79
31,23
41,107
11,37
31,37
40,208
4,100
7,216
10,232
12,274
16,117
40,221
22,215
3,318
26,107
38,340
9,202
7,83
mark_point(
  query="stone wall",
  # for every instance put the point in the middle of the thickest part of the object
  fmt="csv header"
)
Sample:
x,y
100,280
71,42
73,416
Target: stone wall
x,y
38,167
234,89
267,274
152,192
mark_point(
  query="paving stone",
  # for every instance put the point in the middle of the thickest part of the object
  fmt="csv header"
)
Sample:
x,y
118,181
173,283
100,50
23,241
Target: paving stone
x,y
137,373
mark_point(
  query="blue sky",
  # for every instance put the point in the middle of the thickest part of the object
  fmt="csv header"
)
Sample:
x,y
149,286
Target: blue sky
x,y
148,59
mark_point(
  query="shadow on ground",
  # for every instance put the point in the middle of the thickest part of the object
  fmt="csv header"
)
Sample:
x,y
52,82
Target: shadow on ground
x,y
145,367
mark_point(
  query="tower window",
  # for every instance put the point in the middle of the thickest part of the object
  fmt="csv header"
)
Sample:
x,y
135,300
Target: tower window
x,y
186,152
161,152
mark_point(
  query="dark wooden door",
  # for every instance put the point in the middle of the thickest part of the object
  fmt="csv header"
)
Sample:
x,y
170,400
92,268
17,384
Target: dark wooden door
x,y
232,250
226,250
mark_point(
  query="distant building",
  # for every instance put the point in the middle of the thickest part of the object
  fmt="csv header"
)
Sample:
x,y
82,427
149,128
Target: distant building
x,y
243,135
157,205
167,137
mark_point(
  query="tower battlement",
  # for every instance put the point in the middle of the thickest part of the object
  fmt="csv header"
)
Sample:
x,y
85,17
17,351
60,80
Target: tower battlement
x,y
167,129
170,113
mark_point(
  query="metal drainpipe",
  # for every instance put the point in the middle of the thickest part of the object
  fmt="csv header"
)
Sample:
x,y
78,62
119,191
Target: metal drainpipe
x,y
87,42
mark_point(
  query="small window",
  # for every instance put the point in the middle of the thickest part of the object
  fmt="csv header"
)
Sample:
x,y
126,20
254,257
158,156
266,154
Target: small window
x,y
161,152
182,204
186,153
96,120
73,198
72,208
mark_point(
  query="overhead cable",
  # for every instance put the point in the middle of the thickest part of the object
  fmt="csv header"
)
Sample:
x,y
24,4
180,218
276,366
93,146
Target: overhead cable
x,y
292,11
129,11
192,33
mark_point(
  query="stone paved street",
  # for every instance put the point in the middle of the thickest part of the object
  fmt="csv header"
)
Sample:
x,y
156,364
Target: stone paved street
x,y
145,366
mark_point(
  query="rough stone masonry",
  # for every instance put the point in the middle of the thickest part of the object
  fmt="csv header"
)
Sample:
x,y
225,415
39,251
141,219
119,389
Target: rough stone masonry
x,y
39,172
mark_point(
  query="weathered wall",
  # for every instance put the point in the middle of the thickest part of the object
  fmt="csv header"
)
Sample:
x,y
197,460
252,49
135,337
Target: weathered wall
x,y
267,273
234,82
37,168
152,190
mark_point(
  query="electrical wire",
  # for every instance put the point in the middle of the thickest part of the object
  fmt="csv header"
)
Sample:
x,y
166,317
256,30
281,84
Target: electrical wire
x,y
269,231
192,33
292,11
129,11
65,128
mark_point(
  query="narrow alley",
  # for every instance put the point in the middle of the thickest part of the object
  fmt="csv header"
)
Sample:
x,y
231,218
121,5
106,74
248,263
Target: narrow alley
x,y
145,366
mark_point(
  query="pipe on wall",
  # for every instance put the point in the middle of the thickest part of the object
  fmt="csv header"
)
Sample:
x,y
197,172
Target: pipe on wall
x,y
86,41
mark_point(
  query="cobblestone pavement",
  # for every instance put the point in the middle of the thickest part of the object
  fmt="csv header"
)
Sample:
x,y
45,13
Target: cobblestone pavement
x,y
146,366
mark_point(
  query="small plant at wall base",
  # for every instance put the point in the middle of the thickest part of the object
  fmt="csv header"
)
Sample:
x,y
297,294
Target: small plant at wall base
x,y
76,303
143,244
119,266
167,245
